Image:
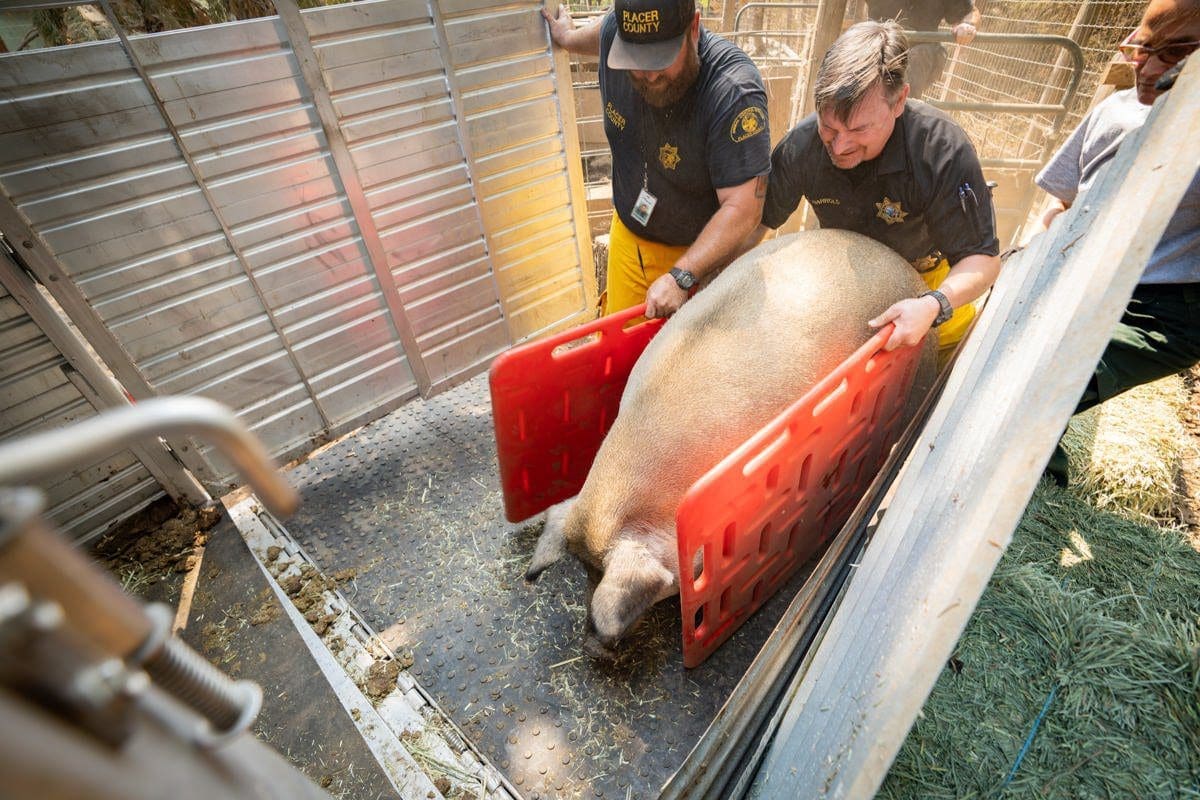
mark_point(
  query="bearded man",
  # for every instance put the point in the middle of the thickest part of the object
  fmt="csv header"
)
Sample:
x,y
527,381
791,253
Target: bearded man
x,y
686,120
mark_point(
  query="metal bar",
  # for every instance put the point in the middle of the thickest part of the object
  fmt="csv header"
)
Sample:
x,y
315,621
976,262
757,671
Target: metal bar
x,y
1071,47
21,5
1073,50
198,177
45,454
569,125
154,758
95,384
347,175
468,150
738,17
1000,108
1010,163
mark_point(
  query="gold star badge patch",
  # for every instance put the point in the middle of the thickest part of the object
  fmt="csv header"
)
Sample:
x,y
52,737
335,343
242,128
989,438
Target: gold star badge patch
x,y
889,211
668,156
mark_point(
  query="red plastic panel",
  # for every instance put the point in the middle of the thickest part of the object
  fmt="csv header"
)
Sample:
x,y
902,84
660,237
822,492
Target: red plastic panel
x,y
552,409
771,504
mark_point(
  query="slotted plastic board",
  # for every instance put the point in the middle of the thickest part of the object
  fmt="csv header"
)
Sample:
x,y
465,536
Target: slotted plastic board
x,y
552,404
766,508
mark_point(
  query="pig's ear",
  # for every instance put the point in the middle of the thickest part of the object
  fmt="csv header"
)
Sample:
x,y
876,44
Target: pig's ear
x,y
552,544
633,581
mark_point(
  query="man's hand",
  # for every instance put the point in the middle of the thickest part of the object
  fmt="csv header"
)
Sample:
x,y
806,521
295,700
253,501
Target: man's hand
x,y
964,33
1056,208
913,317
664,297
561,25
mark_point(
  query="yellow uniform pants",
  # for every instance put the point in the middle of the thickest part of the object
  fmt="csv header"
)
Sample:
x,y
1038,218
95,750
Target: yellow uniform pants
x,y
633,264
954,329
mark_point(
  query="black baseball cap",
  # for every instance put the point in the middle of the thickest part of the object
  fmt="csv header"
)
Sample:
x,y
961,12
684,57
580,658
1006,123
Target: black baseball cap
x,y
649,33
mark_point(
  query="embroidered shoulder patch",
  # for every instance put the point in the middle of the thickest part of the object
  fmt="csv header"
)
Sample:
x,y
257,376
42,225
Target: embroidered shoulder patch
x,y
749,122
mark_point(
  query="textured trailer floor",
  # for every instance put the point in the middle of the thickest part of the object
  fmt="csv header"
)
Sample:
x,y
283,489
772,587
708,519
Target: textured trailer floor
x,y
412,502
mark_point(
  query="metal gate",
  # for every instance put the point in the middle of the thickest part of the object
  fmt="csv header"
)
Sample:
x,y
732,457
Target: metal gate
x,y
312,217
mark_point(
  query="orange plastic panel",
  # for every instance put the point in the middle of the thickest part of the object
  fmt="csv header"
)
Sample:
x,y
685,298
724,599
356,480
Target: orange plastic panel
x,y
552,406
771,504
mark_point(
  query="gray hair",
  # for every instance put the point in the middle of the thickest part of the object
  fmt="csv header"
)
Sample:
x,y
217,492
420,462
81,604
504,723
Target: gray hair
x,y
867,54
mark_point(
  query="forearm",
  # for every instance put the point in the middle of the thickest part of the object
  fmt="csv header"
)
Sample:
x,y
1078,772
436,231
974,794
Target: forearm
x,y
913,316
729,233
973,18
970,278
752,241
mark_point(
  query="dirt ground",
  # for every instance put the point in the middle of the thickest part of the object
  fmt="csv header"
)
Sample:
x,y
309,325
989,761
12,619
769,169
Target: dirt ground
x,y
1189,473
150,553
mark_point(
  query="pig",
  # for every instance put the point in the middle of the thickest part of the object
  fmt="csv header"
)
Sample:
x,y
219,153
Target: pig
x,y
769,327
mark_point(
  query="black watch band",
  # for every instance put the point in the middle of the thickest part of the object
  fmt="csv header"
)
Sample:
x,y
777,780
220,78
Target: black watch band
x,y
683,279
945,310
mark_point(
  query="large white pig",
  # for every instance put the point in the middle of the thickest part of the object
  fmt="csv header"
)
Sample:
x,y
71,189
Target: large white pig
x,y
768,328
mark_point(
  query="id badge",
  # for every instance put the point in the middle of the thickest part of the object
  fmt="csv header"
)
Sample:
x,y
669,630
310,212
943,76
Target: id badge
x,y
644,207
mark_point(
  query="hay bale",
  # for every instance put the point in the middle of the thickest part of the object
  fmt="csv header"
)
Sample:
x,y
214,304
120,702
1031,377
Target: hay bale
x,y
1126,453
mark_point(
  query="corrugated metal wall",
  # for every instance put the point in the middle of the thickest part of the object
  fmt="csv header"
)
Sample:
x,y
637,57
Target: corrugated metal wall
x,y
39,391
312,244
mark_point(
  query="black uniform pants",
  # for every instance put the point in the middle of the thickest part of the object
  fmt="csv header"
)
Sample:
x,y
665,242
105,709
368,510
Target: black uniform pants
x,y
1158,335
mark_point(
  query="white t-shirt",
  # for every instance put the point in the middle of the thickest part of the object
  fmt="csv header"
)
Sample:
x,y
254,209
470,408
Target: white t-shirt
x,y
1090,148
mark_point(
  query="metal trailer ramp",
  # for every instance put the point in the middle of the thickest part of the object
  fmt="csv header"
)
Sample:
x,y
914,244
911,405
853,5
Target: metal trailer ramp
x,y
412,503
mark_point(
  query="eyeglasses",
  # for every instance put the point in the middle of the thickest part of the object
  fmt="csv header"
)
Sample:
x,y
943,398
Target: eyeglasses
x,y
1168,54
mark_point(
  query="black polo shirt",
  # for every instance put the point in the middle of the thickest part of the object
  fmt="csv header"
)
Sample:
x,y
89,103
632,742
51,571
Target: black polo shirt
x,y
920,15
715,137
924,193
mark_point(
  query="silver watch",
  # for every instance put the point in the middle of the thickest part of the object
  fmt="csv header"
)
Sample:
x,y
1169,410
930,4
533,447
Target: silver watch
x,y
945,312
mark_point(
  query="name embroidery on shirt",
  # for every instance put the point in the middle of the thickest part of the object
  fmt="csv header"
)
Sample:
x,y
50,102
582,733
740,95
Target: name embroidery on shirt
x,y
749,122
614,116
668,156
890,211
825,201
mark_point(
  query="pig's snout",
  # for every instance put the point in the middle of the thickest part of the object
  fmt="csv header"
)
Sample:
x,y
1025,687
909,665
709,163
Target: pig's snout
x,y
598,650
602,648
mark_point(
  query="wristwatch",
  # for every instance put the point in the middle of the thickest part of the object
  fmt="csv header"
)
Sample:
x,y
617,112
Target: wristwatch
x,y
945,309
684,279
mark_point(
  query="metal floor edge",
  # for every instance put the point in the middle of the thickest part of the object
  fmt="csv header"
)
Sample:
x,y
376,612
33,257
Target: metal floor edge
x,y
418,746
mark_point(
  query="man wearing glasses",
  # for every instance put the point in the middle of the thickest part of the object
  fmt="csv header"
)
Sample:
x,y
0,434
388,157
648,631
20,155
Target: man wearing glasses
x,y
1159,334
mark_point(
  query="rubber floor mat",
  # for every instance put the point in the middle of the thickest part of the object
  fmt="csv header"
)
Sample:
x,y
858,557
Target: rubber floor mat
x,y
412,503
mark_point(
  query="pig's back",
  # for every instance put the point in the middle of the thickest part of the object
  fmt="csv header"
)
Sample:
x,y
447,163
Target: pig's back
x,y
765,331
